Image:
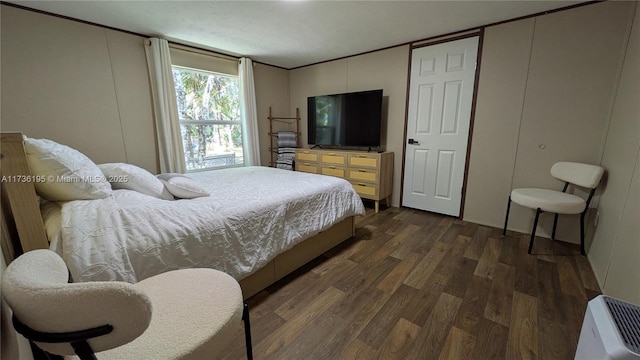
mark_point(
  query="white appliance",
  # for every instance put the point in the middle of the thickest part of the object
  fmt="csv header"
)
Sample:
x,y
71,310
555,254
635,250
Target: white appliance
x,y
611,330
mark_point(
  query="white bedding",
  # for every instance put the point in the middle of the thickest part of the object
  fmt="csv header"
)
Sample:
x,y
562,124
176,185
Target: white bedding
x,y
252,215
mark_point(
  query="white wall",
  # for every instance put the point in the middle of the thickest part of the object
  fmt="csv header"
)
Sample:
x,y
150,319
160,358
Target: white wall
x,y
77,84
272,90
569,94
551,103
506,51
615,249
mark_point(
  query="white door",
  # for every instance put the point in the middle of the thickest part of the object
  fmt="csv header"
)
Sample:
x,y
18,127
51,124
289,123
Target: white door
x,y
440,97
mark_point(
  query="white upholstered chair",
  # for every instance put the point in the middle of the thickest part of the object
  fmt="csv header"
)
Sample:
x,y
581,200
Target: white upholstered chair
x,y
559,202
181,314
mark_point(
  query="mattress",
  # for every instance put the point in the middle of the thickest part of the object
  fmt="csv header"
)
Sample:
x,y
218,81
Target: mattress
x,y
251,215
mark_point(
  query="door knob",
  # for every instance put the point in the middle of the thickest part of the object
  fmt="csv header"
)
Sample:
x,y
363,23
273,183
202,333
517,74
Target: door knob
x,y
413,142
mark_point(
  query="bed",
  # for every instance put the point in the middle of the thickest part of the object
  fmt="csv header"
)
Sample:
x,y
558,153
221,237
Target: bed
x,y
257,224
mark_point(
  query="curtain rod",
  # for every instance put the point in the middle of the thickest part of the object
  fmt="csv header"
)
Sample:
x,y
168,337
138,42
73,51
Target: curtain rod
x,y
200,51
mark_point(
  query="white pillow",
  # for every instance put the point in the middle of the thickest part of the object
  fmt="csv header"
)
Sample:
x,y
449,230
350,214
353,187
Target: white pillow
x,y
182,186
131,177
69,174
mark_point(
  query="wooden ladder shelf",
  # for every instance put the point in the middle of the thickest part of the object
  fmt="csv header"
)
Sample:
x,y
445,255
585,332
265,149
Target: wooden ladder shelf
x,y
278,123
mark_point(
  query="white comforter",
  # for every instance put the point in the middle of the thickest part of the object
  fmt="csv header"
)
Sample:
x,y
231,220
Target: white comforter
x,y
252,215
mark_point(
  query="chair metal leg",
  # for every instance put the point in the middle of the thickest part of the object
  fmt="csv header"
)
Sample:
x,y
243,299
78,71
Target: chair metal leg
x,y
83,350
555,224
506,218
582,232
533,231
247,332
39,354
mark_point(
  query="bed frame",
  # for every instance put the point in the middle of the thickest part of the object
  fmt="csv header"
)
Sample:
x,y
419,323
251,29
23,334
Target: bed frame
x,y
23,228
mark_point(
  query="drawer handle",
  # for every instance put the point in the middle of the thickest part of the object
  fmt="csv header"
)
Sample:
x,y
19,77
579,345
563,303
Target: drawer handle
x,y
361,184
306,164
362,170
332,167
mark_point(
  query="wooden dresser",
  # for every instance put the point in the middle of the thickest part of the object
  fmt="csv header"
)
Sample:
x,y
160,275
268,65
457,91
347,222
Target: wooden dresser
x,y
370,173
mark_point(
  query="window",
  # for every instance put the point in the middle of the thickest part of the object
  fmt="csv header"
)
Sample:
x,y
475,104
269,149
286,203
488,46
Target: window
x,y
209,114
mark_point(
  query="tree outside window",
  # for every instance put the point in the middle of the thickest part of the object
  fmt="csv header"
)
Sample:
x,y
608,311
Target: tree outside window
x,y
209,113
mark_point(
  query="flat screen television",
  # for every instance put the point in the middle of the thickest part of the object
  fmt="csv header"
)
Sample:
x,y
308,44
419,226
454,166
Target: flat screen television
x,y
345,120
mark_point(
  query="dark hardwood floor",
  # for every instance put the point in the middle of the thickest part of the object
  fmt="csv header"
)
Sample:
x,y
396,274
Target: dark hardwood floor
x,y
416,285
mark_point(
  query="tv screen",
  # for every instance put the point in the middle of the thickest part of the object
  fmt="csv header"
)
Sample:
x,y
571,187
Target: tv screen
x,y
349,119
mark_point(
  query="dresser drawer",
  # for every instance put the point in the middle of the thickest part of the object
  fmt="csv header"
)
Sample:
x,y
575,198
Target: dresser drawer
x,y
333,171
365,190
368,175
306,155
364,161
334,158
307,167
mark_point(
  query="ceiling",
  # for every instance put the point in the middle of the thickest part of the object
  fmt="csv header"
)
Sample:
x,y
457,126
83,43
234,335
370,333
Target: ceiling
x,y
291,34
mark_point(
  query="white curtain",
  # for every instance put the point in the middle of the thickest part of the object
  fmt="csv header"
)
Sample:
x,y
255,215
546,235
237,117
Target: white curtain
x,y
165,107
249,113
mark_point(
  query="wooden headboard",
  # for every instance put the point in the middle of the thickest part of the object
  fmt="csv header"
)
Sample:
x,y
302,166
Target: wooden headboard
x,y
22,226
